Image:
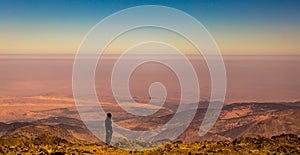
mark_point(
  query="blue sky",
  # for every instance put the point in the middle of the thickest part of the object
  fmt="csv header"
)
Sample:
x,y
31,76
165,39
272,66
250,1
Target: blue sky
x,y
244,27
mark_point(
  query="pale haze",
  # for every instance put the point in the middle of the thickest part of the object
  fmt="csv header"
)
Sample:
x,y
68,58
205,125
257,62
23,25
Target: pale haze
x,y
249,78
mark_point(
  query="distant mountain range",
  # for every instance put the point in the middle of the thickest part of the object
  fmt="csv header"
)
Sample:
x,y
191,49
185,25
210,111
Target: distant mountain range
x,y
236,120
249,119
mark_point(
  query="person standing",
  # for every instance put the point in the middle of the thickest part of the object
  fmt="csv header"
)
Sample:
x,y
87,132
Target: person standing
x,y
108,128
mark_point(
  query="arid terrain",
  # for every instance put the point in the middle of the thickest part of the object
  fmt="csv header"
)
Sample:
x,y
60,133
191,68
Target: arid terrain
x,y
236,120
36,101
152,77
45,144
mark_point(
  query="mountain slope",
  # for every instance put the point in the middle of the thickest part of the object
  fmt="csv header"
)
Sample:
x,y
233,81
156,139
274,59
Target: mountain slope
x,y
235,121
70,129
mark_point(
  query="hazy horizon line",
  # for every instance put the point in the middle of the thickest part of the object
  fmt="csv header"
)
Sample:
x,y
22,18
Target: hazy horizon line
x,y
136,55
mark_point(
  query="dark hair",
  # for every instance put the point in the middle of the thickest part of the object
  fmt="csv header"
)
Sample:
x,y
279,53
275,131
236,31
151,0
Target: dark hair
x,y
108,115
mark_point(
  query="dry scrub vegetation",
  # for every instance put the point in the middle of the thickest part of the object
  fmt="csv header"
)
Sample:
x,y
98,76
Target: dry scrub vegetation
x,y
47,144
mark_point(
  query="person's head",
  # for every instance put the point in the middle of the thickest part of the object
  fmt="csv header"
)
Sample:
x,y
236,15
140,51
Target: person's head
x,y
108,115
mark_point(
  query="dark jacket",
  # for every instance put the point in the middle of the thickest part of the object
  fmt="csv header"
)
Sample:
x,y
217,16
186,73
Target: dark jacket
x,y
108,124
